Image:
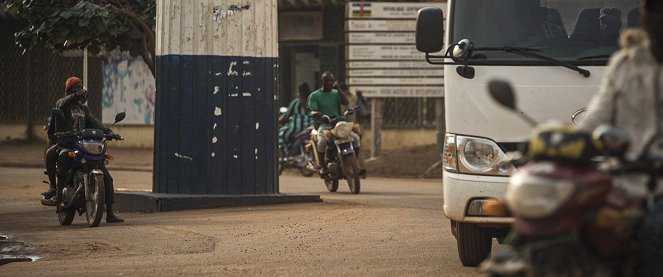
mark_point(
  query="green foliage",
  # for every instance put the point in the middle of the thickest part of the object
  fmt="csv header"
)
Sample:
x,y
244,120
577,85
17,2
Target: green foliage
x,y
101,26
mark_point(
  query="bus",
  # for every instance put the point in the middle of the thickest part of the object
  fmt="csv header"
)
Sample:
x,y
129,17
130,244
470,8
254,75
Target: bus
x,y
554,53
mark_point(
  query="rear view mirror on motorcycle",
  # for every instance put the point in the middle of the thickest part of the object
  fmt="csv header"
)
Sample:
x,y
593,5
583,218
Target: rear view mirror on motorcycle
x,y
120,116
502,93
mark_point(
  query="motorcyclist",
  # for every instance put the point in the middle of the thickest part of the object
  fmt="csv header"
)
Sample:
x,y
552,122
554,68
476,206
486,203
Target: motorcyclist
x,y
78,116
296,119
630,98
327,101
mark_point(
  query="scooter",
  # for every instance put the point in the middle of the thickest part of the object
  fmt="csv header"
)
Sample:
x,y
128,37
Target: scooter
x,y
569,220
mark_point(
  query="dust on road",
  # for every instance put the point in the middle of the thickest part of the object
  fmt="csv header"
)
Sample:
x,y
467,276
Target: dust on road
x,y
394,227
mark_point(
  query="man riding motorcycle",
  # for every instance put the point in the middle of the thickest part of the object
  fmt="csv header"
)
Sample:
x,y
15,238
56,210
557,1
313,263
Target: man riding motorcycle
x,y
327,101
77,115
630,98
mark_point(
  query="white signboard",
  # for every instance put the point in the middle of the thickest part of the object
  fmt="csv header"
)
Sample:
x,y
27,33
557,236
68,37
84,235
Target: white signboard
x,y
380,38
384,52
400,91
396,72
390,64
394,81
381,25
381,57
388,10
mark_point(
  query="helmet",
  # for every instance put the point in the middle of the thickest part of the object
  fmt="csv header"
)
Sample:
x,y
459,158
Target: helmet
x,y
71,82
555,141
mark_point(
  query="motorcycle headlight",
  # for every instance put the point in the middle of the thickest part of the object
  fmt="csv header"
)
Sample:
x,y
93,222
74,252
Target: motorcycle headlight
x,y
94,148
534,196
480,156
342,130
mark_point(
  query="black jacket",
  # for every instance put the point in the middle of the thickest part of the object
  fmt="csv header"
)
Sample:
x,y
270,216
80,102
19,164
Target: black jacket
x,y
77,115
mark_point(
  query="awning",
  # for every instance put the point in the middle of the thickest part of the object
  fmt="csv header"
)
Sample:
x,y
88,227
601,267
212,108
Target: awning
x,y
302,4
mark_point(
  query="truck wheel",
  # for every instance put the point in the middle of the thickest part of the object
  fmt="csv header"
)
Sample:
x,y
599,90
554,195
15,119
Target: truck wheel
x,y
473,242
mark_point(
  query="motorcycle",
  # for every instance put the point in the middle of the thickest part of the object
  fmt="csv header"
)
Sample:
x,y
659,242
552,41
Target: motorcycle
x,y
340,153
84,191
569,220
293,155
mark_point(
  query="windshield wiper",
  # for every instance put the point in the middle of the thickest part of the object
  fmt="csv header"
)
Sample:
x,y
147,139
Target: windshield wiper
x,y
603,56
530,53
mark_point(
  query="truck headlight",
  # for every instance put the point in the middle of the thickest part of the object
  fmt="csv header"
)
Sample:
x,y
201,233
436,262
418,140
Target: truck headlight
x,y
535,197
481,156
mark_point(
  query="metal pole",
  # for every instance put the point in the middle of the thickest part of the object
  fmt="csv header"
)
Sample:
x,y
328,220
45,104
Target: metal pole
x,y
441,125
30,131
85,66
376,126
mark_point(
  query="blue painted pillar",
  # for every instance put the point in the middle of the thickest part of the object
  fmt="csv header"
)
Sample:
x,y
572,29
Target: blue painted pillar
x,y
216,103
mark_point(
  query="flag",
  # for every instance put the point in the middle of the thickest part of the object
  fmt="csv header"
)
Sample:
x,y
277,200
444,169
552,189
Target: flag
x,y
361,9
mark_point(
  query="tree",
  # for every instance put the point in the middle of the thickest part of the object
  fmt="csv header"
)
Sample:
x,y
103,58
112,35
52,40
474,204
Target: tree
x,y
100,26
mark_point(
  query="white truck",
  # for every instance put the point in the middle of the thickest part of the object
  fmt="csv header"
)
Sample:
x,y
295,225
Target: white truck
x,y
554,53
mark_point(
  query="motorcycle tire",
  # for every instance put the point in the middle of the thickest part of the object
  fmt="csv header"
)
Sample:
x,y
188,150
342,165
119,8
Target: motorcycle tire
x,y
351,172
331,184
65,216
95,198
305,172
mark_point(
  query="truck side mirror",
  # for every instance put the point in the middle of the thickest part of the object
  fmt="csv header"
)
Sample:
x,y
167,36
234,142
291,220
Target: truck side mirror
x,y
430,30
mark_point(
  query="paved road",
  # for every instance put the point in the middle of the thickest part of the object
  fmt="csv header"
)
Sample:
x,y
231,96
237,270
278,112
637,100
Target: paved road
x,y
394,227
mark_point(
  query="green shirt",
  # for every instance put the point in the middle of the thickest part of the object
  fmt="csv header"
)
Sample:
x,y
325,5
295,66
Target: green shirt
x,y
328,103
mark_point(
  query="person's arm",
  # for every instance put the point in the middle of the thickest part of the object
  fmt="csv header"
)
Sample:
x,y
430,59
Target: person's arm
x,y
291,111
93,122
601,108
66,101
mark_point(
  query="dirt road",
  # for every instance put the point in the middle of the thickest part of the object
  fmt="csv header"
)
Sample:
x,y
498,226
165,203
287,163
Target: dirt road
x,y
394,227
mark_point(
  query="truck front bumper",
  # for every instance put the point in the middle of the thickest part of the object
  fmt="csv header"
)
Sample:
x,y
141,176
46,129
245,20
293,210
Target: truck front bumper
x,y
463,195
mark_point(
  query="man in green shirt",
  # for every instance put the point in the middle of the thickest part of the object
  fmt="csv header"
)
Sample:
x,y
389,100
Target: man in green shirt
x,y
327,101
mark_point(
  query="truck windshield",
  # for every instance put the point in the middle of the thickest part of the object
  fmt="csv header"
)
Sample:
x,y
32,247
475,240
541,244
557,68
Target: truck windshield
x,y
572,30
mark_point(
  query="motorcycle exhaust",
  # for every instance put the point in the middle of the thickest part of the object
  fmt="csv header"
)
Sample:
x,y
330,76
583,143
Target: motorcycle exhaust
x,y
75,198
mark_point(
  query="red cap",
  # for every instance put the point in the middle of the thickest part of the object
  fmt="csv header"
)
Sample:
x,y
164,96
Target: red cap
x,y
70,82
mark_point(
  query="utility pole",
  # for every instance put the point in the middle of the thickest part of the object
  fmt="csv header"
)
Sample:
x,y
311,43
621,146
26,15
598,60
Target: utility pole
x,y
30,106
376,127
85,69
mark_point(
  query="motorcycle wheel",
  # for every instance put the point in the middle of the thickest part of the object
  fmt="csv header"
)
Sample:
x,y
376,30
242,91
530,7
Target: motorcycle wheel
x,y
94,198
65,216
351,172
305,172
331,184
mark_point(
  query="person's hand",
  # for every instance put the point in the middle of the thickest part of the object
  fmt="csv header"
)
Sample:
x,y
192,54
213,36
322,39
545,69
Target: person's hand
x,y
81,94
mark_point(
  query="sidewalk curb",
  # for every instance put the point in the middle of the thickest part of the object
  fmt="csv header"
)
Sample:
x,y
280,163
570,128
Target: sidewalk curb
x,y
140,201
142,168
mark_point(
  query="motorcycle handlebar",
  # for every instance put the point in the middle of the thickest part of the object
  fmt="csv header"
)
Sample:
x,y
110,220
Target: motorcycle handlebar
x,y
113,137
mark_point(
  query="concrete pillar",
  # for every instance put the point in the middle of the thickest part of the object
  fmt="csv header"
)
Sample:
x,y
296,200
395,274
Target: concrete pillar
x,y
216,103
